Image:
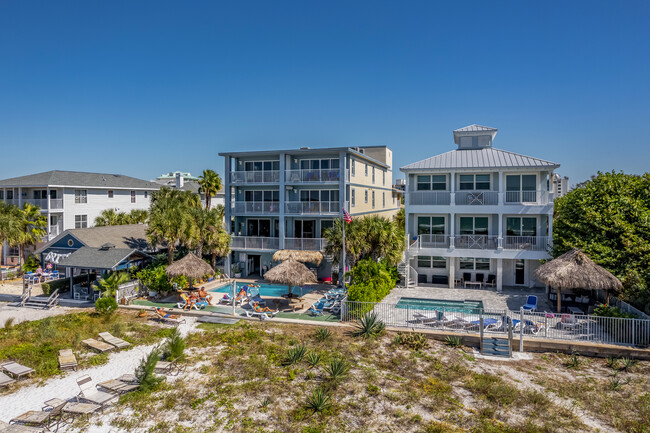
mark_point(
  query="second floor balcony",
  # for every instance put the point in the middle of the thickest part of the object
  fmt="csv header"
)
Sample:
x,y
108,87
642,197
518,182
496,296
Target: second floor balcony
x,y
256,207
312,207
478,198
261,243
323,175
55,203
252,177
481,242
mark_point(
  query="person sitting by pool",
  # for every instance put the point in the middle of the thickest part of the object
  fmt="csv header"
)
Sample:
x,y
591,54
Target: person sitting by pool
x,y
205,296
242,294
191,300
258,309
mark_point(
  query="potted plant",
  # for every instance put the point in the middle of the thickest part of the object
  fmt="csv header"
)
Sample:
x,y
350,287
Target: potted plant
x,y
236,271
142,312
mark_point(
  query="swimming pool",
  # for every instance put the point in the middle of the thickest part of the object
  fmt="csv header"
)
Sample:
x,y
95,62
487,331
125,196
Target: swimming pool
x,y
466,306
274,290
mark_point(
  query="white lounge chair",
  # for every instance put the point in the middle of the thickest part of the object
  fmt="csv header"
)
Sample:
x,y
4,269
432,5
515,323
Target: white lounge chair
x,y
88,392
118,342
5,380
15,369
98,345
67,360
261,314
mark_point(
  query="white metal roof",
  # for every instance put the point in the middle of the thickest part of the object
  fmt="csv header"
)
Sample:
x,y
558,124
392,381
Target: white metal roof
x,y
475,128
479,158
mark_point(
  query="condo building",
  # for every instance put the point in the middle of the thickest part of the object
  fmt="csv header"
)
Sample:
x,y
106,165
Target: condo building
x,y
477,216
285,199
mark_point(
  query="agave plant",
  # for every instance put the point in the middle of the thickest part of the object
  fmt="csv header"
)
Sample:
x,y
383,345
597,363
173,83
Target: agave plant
x,y
323,334
369,326
295,354
337,369
453,341
313,359
318,401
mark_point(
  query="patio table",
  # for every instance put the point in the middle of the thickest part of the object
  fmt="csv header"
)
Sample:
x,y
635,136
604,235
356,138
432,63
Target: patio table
x,y
478,284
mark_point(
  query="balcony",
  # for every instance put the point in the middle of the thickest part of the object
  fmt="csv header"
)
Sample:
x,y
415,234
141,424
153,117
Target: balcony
x,y
309,244
312,207
528,197
429,198
313,176
477,198
55,203
433,241
254,243
475,242
526,243
255,207
259,176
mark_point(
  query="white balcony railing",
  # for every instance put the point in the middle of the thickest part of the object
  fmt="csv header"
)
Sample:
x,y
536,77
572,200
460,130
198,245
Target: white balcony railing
x,y
255,243
435,198
309,244
254,207
433,241
313,176
475,242
312,207
527,197
260,176
526,243
55,203
478,198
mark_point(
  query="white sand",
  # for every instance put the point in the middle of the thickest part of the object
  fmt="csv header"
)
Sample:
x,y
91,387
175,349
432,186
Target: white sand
x,y
32,397
23,314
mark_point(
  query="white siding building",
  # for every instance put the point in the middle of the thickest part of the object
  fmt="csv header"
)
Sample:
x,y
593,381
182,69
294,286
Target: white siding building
x,y
478,214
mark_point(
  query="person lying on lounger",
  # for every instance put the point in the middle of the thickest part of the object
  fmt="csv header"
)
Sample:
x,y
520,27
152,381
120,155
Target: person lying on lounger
x,y
258,309
202,294
241,295
162,313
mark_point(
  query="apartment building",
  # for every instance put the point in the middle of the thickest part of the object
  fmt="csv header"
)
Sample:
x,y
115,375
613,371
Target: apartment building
x,y
72,199
478,214
285,199
187,182
560,185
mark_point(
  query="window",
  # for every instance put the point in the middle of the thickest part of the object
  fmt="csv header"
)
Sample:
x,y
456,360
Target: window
x,y
478,264
317,164
325,225
373,199
353,200
2,195
521,188
354,165
132,196
373,175
437,182
319,195
80,221
39,194
366,196
517,226
474,182
473,225
110,193
258,227
434,262
383,199
262,196
261,165
10,195
366,170
383,180
80,196
431,225
146,194
53,193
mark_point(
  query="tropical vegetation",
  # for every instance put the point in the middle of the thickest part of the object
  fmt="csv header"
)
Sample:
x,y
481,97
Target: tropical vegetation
x,y
20,227
608,218
371,280
109,217
210,184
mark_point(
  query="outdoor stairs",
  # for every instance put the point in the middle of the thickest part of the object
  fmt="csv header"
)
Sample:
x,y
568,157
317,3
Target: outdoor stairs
x,y
40,302
494,346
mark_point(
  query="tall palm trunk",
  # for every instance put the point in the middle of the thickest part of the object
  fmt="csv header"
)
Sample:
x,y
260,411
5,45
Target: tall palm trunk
x,y
208,200
170,255
213,261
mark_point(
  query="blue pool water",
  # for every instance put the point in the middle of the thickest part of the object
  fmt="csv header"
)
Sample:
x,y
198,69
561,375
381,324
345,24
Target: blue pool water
x,y
471,307
274,290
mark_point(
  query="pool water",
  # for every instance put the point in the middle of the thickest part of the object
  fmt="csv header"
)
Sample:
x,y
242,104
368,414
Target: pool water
x,y
466,306
273,290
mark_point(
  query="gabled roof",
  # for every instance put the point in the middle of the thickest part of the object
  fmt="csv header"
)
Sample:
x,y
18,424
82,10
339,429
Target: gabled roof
x,y
478,159
131,236
99,258
475,128
79,179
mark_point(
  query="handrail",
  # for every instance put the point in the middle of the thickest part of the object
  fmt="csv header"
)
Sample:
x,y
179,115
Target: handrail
x,y
53,298
25,296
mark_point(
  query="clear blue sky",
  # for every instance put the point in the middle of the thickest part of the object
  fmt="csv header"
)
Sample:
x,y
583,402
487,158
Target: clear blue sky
x,y
141,88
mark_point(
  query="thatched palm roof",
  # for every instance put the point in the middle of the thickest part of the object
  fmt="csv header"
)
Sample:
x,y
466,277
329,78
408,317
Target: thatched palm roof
x,y
190,266
574,270
291,273
314,257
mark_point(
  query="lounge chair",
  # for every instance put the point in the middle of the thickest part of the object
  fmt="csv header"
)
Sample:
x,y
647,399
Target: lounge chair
x,y
90,393
118,342
480,277
419,318
466,277
316,309
98,345
188,303
531,303
491,280
67,360
261,314
489,323
5,380
48,419
172,368
529,327
160,315
568,322
15,369
118,386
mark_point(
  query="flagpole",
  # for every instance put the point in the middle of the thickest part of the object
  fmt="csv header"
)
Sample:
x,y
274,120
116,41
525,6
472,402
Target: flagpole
x,y
342,268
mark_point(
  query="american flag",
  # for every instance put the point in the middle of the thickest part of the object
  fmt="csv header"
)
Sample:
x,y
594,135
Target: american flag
x,y
347,217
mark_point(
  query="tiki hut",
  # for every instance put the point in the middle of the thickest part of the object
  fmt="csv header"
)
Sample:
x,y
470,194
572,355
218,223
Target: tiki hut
x,y
290,272
189,266
314,257
574,270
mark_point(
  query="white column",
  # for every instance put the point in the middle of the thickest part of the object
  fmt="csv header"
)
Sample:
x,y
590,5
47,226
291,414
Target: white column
x,y
20,197
500,237
502,188
499,275
452,272
550,229
48,213
452,188
283,191
452,230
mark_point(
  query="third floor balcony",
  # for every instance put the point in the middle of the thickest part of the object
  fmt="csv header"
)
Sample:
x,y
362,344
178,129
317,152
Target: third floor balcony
x,y
252,177
478,198
480,242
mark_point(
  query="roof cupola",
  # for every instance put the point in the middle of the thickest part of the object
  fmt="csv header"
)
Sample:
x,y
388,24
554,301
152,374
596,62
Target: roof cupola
x,y
474,137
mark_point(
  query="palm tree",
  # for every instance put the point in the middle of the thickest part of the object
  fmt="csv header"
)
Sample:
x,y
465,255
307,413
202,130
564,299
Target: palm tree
x,y
108,217
216,240
138,216
33,227
108,285
210,183
10,225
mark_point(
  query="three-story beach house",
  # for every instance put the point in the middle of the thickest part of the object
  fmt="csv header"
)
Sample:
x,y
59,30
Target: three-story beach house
x,y
285,199
477,216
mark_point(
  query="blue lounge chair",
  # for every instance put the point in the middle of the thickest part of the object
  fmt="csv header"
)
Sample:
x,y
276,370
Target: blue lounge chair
x,y
316,309
531,303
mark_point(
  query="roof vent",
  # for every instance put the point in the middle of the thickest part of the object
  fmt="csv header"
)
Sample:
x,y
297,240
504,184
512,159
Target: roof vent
x,y
305,148
106,247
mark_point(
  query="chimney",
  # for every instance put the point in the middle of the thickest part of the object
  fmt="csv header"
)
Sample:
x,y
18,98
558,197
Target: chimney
x,y
179,180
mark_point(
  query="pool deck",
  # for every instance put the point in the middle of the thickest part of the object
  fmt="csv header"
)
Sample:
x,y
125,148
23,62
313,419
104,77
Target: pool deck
x,y
509,299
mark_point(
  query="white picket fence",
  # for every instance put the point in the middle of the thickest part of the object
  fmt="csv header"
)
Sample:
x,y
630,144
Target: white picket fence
x,y
127,290
566,327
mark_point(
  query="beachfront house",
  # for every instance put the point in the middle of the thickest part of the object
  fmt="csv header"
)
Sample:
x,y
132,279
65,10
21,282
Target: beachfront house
x,y
187,182
72,199
285,199
477,216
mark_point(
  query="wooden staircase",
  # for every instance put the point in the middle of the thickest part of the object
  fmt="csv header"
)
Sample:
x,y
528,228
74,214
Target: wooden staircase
x,y
39,301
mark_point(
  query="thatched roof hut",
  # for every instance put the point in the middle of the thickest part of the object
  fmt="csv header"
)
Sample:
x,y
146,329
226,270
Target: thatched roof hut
x,y
574,270
314,257
291,273
190,266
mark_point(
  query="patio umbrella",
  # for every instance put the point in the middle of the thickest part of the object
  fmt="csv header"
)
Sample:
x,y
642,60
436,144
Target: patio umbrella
x,y
314,257
574,270
189,266
291,273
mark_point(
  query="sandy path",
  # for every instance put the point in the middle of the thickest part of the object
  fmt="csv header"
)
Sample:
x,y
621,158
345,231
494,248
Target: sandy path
x,y
23,314
33,396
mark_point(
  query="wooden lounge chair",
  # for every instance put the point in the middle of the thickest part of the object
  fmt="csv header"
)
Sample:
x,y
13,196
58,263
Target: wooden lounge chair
x,y
67,360
172,368
49,419
16,428
90,393
98,345
5,380
15,369
116,385
118,342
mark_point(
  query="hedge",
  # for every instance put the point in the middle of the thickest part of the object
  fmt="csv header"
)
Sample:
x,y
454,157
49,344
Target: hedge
x,y
63,284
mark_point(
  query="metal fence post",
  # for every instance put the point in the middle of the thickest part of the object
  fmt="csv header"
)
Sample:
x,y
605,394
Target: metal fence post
x,y
480,321
521,329
545,325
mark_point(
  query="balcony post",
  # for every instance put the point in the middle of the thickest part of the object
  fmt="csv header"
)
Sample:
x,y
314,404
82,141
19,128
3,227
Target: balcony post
x,y
283,192
452,189
501,194
500,238
48,214
452,230
499,275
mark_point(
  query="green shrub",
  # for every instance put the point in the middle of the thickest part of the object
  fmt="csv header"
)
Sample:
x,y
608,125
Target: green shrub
x,y
106,306
414,341
323,334
295,355
453,341
318,401
145,373
604,310
175,346
370,281
337,369
154,278
31,264
313,359
369,326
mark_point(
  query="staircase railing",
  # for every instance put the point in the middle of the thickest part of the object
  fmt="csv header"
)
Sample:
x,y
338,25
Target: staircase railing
x,y
54,297
25,296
